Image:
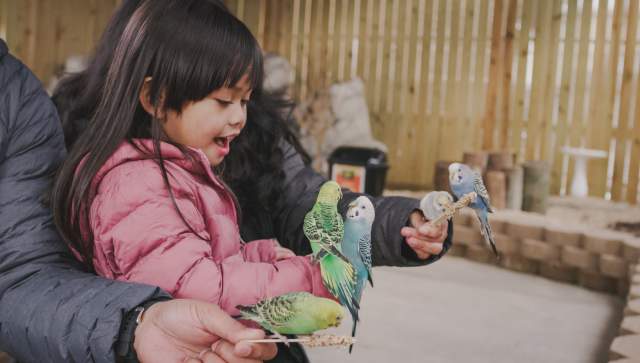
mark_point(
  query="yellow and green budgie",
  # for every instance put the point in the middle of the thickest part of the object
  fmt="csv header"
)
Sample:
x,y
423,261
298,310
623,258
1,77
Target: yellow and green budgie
x,y
324,227
296,313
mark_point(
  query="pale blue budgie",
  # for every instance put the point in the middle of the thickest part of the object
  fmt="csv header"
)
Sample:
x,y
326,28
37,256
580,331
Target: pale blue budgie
x,y
463,180
356,244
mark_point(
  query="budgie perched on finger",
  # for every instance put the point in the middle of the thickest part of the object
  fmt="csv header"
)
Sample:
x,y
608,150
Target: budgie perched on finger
x,y
297,313
435,203
324,228
356,244
463,180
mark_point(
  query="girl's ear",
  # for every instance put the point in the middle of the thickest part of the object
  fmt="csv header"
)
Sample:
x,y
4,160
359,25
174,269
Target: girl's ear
x,y
145,100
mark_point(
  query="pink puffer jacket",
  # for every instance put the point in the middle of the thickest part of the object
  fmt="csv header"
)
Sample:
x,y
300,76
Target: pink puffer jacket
x,y
139,236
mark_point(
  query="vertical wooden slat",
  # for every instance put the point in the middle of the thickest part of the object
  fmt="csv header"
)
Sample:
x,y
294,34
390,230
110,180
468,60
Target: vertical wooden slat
x,y
598,130
576,119
562,126
625,99
423,56
507,69
295,46
479,75
262,20
634,164
612,90
305,41
447,140
494,71
464,125
240,9
546,143
404,137
342,40
379,55
355,38
528,14
4,15
536,122
369,42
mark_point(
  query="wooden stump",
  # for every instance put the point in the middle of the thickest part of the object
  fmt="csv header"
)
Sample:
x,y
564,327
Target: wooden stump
x,y
515,180
496,183
441,176
476,160
536,186
501,160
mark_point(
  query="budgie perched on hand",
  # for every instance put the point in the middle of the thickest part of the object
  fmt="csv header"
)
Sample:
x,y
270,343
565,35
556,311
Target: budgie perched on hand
x,y
324,228
356,244
298,313
435,203
463,180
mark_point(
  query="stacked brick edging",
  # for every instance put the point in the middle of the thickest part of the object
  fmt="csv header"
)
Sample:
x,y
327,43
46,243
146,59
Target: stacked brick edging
x,y
626,346
597,259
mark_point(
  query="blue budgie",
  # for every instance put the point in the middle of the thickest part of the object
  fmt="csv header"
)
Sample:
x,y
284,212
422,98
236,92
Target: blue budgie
x,y
464,180
356,244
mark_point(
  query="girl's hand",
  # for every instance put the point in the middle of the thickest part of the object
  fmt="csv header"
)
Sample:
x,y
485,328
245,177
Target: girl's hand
x,y
282,253
425,239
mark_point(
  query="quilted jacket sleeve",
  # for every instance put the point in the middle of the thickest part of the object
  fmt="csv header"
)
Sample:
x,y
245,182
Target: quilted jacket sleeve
x,y
140,237
50,311
302,184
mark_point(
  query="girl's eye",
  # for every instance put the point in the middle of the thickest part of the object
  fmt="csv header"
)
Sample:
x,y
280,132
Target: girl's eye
x,y
223,102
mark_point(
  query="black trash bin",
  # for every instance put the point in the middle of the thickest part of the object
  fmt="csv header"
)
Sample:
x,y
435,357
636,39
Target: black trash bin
x,y
362,170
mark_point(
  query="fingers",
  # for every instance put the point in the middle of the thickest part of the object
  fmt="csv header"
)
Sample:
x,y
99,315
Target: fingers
x,y
262,351
219,323
226,351
434,233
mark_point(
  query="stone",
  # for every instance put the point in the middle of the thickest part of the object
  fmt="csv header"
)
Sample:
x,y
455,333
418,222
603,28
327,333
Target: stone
x,y
522,230
480,253
580,258
539,251
626,346
506,245
613,266
595,281
563,236
603,241
466,236
631,249
558,272
520,264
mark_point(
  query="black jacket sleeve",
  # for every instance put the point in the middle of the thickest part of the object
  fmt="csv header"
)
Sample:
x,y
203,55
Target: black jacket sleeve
x,y
302,184
50,311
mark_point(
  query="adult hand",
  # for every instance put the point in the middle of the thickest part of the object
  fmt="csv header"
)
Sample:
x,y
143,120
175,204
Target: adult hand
x,y
196,331
423,237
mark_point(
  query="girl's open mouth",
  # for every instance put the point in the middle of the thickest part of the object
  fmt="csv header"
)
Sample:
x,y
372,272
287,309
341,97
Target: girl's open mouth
x,y
223,142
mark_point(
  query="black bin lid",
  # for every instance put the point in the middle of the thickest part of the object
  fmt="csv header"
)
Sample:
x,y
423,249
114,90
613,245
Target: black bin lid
x,y
352,155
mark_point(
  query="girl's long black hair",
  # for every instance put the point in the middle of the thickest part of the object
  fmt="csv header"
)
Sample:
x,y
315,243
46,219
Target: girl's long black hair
x,y
189,48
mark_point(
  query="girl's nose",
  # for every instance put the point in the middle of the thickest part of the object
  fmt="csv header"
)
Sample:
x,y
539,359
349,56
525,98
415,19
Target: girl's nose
x,y
238,115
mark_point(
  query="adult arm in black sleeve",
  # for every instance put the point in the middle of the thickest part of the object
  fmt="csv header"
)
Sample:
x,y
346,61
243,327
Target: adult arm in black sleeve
x,y
302,184
50,311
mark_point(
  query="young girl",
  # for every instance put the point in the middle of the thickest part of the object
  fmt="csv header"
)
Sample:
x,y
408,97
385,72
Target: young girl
x,y
137,198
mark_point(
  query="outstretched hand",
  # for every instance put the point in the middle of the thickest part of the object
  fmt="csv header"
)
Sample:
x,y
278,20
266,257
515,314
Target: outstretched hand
x,y
196,331
423,237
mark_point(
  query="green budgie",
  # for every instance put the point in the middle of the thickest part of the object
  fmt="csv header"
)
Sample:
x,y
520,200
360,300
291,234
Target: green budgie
x,y
356,244
324,228
297,313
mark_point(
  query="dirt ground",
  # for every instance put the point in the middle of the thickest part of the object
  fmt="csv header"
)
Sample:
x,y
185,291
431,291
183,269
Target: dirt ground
x,y
458,311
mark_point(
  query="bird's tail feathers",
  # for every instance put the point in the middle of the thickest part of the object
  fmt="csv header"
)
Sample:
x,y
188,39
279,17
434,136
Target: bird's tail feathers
x,y
487,233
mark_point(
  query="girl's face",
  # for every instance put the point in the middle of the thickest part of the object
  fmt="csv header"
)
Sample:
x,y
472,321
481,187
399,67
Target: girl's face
x,y
211,123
